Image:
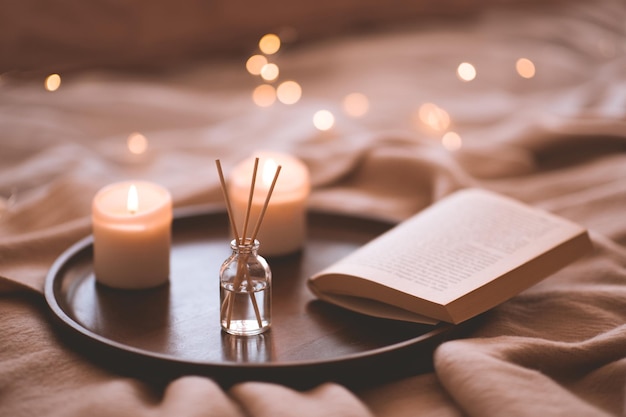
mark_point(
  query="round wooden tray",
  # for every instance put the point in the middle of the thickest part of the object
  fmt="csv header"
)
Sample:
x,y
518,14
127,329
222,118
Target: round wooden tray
x,y
174,330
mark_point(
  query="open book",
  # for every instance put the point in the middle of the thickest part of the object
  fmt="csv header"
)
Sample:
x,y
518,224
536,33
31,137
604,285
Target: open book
x,y
453,260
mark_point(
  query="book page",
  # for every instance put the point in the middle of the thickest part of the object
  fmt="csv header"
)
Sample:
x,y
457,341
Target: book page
x,y
461,243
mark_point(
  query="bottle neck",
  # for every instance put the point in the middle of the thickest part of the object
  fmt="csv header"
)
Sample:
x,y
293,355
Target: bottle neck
x,y
245,247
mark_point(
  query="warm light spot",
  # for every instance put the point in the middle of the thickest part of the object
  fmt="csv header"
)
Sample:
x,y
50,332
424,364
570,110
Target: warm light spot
x,y
323,120
356,104
268,172
269,72
434,117
264,95
451,141
132,202
137,143
255,64
466,71
525,68
269,44
289,92
53,82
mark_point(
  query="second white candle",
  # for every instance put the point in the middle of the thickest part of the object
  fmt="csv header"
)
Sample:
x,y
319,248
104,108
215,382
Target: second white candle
x,y
283,229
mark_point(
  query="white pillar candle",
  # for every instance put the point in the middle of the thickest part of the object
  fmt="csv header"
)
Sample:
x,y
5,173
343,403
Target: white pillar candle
x,y
132,235
283,229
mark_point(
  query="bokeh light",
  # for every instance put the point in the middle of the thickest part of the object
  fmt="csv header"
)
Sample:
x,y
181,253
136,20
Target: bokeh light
x,y
466,71
137,143
525,68
255,64
289,92
356,104
323,119
269,44
434,117
53,82
451,141
270,72
264,95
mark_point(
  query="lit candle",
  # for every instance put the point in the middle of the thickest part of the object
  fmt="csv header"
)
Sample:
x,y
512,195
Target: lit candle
x,y
132,235
283,229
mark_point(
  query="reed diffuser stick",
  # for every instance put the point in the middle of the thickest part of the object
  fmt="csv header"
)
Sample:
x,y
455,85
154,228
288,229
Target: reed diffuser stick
x,y
266,204
242,271
229,208
250,197
227,300
256,231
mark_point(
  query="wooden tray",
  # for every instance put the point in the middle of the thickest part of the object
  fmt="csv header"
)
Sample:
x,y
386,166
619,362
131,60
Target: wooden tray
x,y
174,330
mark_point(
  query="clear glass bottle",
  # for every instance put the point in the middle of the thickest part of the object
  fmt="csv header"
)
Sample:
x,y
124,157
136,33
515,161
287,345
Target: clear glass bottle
x,y
245,290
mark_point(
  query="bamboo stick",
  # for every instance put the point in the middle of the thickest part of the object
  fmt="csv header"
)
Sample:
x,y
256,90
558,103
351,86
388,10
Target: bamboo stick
x,y
267,201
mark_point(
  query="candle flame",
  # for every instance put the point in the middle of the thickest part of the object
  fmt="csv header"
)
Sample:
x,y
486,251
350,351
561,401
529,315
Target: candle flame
x,y
269,170
132,203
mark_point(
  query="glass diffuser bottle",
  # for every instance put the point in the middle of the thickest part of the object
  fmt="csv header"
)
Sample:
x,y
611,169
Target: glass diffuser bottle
x,y
245,290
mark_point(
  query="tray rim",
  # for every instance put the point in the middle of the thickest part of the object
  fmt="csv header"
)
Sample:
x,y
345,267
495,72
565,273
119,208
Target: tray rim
x,y
52,282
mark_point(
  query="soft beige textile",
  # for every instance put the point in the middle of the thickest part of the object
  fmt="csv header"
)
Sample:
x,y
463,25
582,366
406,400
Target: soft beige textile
x,y
37,35
556,141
